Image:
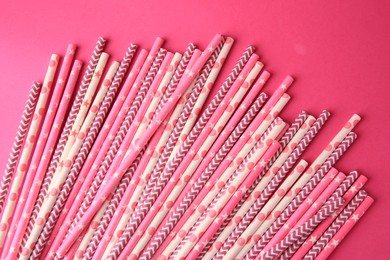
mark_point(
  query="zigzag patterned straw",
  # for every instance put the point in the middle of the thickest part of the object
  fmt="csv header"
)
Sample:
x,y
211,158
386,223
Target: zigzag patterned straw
x,y
66,130
339,151
336,225
17,145
283,143
82,155
265,195
303,230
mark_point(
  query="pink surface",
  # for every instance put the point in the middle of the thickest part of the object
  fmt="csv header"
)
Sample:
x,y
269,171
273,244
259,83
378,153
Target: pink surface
x,y
338,53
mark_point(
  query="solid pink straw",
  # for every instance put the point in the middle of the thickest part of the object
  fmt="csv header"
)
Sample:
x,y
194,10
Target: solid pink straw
x,y
43,138
116,176
233,201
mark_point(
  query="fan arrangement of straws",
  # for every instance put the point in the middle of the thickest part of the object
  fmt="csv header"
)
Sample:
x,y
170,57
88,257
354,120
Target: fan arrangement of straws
x,y
142,162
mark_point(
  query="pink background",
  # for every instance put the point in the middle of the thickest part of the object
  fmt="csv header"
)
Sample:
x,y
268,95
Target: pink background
x,y
337,51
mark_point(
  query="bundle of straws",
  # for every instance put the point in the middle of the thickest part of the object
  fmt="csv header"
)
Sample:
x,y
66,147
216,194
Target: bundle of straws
x,y
139,162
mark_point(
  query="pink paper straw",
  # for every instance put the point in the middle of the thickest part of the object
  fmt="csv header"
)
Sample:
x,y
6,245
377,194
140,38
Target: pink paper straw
x,y
303,230
182,119
101,145
28,148
289,156
127,177
43,138
338,222
294,156
232,202
337,153
223,90
346,228
241,148
113,181
232,179
85,149
98,50
19,140
213,150
152,152
347,196
123,138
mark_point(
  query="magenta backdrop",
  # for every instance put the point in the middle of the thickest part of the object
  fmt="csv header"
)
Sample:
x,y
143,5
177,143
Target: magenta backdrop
x,y
337,51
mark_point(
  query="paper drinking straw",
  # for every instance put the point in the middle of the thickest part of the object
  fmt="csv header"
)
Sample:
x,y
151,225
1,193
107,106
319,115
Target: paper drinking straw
x,y
319,202
99,149
71,150
125,182
178,73
123,138
282,218
225,86
28,148
178,127
52,138
43,138
240,240
247,200
234,181
66,130
300,148
344,230
213,150
302,230
327,151
112,182
157,95
188,55
336,224
71,186
85,150
289,147
347,196
302,248
19,139
203,142
240,149
234,200
182,120
303,206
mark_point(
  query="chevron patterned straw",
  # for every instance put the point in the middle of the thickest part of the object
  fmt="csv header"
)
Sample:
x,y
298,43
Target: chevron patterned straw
x,y
49,133
28,147
227,227
18,142
346,228
98,50
347,194
336,225
266,194
19,139
85,149
114,179
304,229
276,226
151,167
